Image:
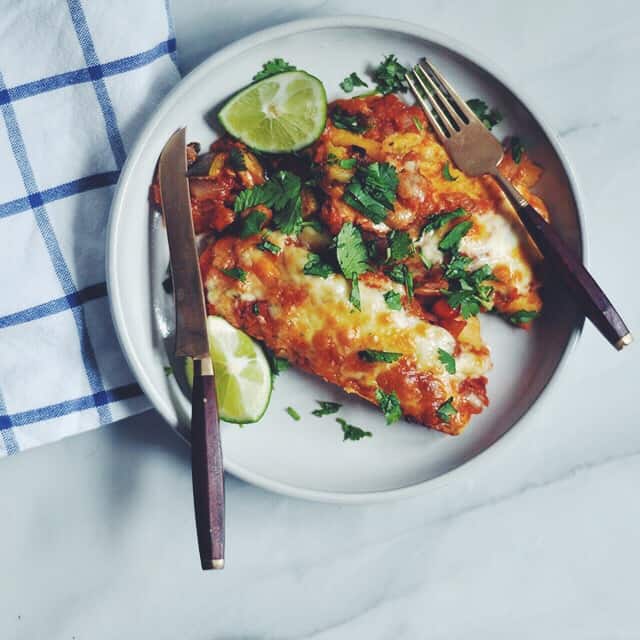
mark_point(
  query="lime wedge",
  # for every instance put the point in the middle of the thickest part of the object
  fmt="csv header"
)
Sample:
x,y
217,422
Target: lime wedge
x,y
243,376
285,112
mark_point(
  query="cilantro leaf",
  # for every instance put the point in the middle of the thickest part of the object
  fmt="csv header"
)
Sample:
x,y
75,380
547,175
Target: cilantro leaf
x,y
342,119
265,245
236,273
347,163
316,267
276,363
446,411
447,360
351,432
489,117
389,76
354,296
355,196
326,408
372,355
351,81
400,246
457,266
372,191
293,413
517,149
523,316
396,273
272,68
282,194
452,239
236,159
393,300
446,173
255,308
440,219
400,273
351,251
390,405
252,223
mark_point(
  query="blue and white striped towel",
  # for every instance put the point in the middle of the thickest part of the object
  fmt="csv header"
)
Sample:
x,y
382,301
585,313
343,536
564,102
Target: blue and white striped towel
x,y
77,80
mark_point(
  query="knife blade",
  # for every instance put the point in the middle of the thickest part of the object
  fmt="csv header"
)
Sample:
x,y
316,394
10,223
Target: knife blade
x,y
192,340
191,327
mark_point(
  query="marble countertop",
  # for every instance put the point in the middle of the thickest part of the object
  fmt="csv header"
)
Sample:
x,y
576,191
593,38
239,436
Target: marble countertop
x,y
97,534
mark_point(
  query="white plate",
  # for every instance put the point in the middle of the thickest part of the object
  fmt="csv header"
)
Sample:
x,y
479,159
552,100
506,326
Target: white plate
x,y
308,458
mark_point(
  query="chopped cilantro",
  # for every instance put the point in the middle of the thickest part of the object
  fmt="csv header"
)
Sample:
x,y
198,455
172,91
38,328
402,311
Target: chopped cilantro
x,y
447,360
344,163
236,273
393,300
236,159
446,173
293,413
523,316
467,289
489,117
272,68
351,251
418,124
354,296
400,246
316,267
440,219
389,76
347,163
255,308
326,408
265,245
452,239
457,267
446,411
390,405
400,273
355,122
351,81
517,149
276,363
352,432
372,191
252,223
282,194
372,355
168,371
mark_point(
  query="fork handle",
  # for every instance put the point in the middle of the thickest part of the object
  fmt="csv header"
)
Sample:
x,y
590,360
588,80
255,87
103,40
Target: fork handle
x,y
586,291
206,466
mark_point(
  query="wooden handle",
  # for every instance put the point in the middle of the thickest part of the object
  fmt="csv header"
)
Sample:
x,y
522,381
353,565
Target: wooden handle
x,y
586,291
206,466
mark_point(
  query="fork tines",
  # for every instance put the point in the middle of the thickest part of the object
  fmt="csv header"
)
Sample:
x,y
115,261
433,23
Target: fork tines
x,y
446,110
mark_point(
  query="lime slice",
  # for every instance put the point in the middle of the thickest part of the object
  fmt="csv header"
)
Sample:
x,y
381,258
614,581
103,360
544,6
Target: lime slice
x,y
285,112
243,376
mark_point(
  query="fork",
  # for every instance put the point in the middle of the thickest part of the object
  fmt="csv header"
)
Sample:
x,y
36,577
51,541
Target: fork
x,y
476,152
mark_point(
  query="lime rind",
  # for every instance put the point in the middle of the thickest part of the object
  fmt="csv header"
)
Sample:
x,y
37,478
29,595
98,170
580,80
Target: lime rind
x,y
280,114
243,376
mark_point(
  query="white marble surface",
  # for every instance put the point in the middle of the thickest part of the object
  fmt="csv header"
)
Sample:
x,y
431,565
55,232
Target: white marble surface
x,y
97,535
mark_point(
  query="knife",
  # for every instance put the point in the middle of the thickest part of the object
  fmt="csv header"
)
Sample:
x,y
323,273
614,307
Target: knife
x,y
192,341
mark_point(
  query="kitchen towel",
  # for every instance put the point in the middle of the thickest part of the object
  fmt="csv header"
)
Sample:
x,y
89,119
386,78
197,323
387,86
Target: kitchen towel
x,y
78,78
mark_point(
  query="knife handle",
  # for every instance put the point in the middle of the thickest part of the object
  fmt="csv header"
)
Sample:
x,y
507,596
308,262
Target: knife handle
x,y
206,466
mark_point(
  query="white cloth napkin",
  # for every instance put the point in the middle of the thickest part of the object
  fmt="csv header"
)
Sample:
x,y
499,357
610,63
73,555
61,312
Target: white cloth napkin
x,y
78,78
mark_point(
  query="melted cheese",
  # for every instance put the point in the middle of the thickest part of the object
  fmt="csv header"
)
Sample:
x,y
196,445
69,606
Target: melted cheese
x,y
310,321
